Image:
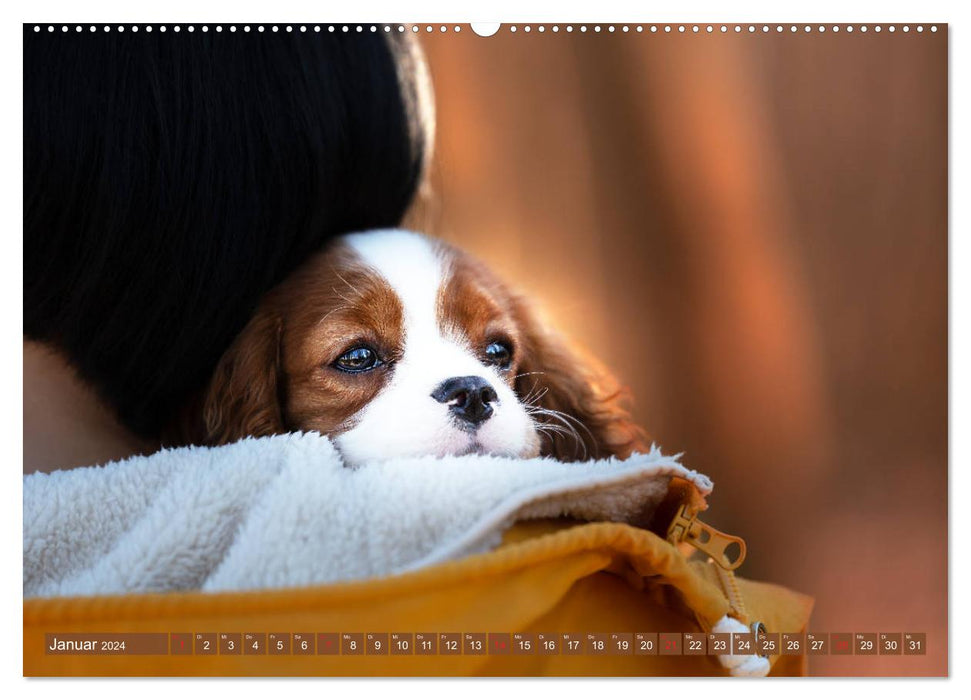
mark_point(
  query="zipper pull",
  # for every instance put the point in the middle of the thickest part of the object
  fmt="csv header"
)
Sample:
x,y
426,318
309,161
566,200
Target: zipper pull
x,y
687,528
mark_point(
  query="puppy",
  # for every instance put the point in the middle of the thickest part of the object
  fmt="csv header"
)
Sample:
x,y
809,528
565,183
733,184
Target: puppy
x,y
394,344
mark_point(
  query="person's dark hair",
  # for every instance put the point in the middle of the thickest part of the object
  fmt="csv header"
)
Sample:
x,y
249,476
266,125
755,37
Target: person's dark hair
x,y
171,179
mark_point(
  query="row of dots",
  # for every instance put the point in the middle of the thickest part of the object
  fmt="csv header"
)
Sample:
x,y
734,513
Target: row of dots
x,y
246,28
666,28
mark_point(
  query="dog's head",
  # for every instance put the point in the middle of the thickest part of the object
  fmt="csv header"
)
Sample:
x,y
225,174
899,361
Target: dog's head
x,y
394,344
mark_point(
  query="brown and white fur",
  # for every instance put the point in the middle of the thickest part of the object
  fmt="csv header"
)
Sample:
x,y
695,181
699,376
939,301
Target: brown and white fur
x,y
435,322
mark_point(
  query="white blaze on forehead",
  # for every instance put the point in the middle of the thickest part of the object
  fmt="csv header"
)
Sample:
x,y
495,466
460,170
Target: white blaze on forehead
x,y
412,267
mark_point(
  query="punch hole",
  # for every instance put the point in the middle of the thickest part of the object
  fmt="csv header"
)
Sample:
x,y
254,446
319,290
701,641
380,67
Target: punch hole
x,y
485,29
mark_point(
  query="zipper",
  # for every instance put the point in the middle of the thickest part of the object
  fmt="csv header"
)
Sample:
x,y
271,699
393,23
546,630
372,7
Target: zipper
x,y
686,527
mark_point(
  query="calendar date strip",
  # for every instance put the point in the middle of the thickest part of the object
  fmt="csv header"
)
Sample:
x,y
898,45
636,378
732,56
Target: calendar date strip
x,y
485,643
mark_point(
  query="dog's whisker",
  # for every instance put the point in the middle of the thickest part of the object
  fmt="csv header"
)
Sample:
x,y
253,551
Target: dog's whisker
x,y
526,374
564,426
568,417
531,399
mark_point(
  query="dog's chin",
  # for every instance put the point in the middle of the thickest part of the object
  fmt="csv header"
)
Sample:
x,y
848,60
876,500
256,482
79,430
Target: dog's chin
x,y
477,444
473,448
458,444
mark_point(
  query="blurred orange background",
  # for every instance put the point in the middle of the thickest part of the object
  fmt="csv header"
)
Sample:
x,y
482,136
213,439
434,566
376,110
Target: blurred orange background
x,y
751,232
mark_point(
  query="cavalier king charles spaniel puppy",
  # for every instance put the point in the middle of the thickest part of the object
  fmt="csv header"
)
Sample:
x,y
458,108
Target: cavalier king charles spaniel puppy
x,y
395,344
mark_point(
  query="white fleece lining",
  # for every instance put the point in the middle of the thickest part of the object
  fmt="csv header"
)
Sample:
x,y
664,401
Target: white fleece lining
x,y
284,511
550,500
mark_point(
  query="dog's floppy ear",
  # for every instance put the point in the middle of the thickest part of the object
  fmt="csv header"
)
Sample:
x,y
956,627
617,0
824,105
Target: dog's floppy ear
x,y
244,396
580,405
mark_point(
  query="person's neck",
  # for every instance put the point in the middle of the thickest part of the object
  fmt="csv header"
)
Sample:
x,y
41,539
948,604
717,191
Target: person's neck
x,y
65,423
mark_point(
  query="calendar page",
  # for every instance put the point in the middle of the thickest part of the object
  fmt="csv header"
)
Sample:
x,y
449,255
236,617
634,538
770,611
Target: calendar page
x,y
605,348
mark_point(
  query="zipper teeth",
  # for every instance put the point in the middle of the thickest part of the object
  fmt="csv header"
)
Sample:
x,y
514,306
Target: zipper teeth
x,y
730,586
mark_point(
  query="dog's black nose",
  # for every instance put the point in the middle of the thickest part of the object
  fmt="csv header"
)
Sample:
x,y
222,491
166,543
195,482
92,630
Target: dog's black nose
x,y
470,399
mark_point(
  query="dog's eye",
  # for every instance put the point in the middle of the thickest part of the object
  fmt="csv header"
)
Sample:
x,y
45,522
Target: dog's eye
x,y
499,354
359,359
